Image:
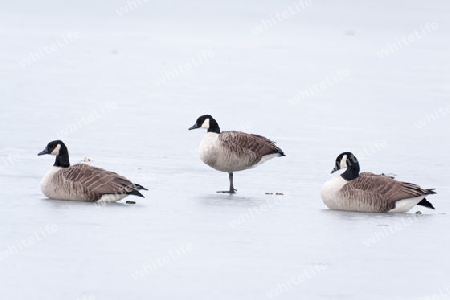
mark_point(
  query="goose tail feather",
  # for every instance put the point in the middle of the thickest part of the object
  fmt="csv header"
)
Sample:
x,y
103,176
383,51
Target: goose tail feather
x,y
426,203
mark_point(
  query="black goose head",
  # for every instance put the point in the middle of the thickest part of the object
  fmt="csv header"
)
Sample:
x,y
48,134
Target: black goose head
x,y
347,160
59,149
208,122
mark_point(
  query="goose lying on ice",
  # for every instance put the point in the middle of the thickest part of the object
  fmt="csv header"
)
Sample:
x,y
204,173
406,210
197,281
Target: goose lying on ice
x,y
368,192
81,181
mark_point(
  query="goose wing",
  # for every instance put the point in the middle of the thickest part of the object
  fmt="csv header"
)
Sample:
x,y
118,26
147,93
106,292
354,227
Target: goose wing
x,y
246,144
385,187
97,182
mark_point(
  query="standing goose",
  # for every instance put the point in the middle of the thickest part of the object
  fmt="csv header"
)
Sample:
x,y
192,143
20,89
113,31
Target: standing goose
x,y
81,181
368,192
232,151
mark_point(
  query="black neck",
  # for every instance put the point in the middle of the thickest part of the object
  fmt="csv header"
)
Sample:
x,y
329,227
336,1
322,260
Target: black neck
x,y
352,171
213,126
62,159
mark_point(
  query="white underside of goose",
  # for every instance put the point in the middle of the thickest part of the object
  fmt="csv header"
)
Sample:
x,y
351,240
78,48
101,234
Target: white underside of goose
x,y
405,205
112,197
266,158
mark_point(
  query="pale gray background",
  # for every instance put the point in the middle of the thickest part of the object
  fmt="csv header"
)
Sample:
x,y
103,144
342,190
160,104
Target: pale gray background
x,y
246,86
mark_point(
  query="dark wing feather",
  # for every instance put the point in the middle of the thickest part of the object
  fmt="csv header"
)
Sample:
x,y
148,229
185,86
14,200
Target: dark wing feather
x,y
97,182
249,144
386,186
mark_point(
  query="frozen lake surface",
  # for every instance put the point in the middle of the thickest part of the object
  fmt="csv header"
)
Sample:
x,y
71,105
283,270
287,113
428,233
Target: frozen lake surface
x,y
321,79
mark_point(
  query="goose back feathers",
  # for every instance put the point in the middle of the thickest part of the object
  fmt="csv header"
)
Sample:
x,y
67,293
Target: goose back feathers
x,y
232,151
84,182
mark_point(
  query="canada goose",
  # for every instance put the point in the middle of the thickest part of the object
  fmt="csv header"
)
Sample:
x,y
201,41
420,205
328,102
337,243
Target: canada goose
x,y
232,151
81,181
368,192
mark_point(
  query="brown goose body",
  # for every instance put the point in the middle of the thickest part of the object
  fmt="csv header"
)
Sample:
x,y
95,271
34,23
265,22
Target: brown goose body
x,y
232,151
82,182
369,192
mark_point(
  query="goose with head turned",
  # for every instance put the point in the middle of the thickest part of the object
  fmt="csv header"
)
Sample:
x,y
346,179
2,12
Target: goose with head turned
x,y
83,182
368,192
232,151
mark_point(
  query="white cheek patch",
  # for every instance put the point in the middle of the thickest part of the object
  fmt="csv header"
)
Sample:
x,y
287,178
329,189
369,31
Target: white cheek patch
x,y
205,124
343,164
56,150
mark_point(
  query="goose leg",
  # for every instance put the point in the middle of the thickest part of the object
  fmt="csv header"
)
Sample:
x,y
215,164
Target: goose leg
x,y
232,189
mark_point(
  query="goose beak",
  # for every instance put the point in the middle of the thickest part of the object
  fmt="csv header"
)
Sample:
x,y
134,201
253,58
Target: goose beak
x,y
45,151
334,170
195,126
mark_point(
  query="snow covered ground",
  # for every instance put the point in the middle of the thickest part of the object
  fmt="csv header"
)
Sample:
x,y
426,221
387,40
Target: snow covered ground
x,y
121,82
